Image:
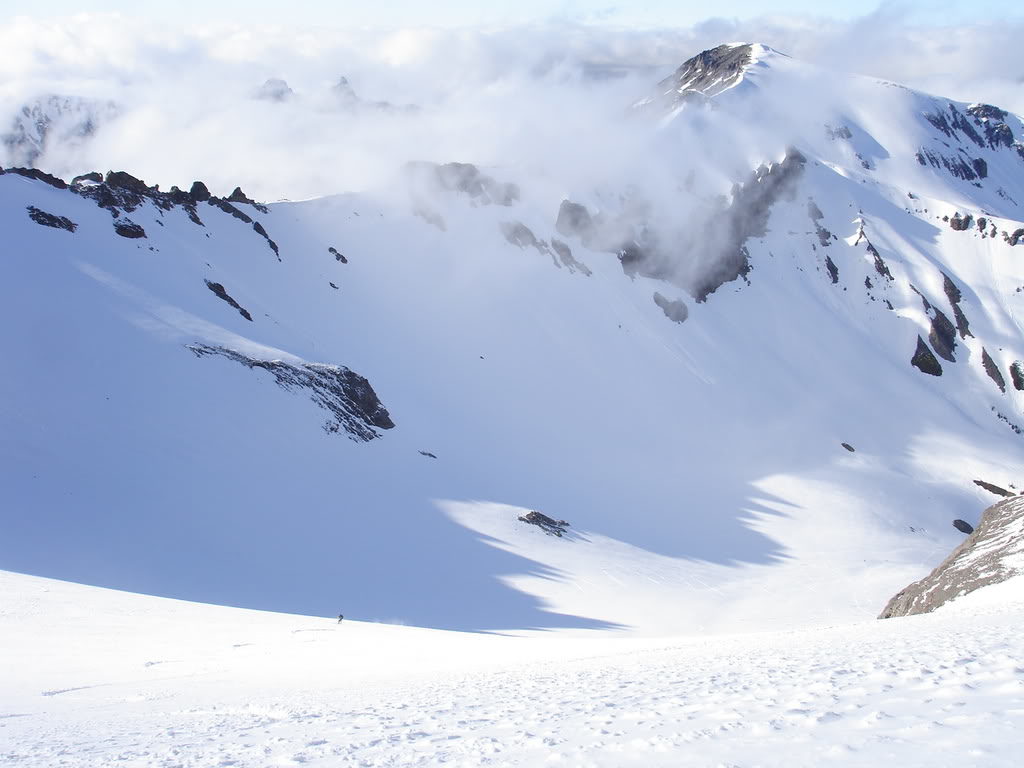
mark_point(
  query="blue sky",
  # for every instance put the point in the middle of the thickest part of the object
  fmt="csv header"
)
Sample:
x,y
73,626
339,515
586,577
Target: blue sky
x,y
468,12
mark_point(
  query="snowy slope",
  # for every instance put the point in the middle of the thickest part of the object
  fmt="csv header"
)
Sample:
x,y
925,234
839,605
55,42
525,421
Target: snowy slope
x,y
700,463
95,678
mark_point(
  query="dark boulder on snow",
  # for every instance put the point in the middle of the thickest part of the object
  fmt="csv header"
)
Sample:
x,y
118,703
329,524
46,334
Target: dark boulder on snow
x,y
955,297
963,526
989,555
675,311
960,223
848,447
338,256
51,220
128,229
924,360
547,524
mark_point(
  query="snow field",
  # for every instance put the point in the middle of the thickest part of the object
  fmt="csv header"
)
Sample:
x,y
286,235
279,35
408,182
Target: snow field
x,y
95,677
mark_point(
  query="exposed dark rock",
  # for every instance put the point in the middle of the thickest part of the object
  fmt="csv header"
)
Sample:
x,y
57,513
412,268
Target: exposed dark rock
x,y
702,77
1016,237
574,220
1017,375
564,254
51,220
275,89
815,214
841,132
954,296
238,196
867,283
428,454
675,311
354,407
963,526
960,223
992,488
218,289
519,234
993,370
466,179
547,524
332,285
924,360
128,229
199,193
747,217
985,557
833,270
35,173
229,208
848,447
95,177
258,228
956,165
880,266
333,251
942,334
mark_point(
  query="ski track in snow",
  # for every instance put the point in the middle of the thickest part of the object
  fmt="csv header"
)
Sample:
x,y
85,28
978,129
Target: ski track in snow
x,y
941,689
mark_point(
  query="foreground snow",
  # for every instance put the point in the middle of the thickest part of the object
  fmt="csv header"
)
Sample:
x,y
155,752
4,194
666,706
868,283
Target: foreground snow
x,y
95,677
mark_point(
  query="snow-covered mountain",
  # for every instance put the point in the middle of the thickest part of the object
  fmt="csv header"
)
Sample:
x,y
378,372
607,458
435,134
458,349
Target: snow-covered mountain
x,y
759,394
52,120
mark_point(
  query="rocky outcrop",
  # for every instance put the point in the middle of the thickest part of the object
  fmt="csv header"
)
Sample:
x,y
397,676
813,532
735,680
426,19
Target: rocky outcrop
x,y
547,524
992,370
924,360
1017,375
222,294
464,178
354,407
53,121
700,78
51,220
955,297
993,553
129,229
993,488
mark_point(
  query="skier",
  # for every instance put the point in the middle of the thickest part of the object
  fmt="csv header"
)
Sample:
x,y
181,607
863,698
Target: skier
x,y
340,617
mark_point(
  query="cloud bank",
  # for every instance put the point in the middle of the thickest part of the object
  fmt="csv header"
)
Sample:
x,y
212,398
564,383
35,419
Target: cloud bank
x,y
549,98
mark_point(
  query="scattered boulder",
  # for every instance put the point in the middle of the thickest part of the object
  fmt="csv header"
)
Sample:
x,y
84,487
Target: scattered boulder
x,y
428,454
924,360
218,289
547,524
848,447
51,220
960,223
1017,375
833,270
963,526
675,311
989,555
338,257
1016,236
128,229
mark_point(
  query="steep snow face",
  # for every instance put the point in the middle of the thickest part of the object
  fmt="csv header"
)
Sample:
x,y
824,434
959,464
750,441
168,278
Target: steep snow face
x,y
518,363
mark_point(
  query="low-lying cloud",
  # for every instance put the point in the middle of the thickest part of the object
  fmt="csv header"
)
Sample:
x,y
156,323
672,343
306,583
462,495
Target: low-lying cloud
x,y
549,99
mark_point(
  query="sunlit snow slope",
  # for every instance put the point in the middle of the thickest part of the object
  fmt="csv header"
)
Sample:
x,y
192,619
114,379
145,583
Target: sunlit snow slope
x,y
96,678
150,442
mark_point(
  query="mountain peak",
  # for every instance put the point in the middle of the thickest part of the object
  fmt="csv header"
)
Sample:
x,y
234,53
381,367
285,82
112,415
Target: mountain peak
x,y
709,73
